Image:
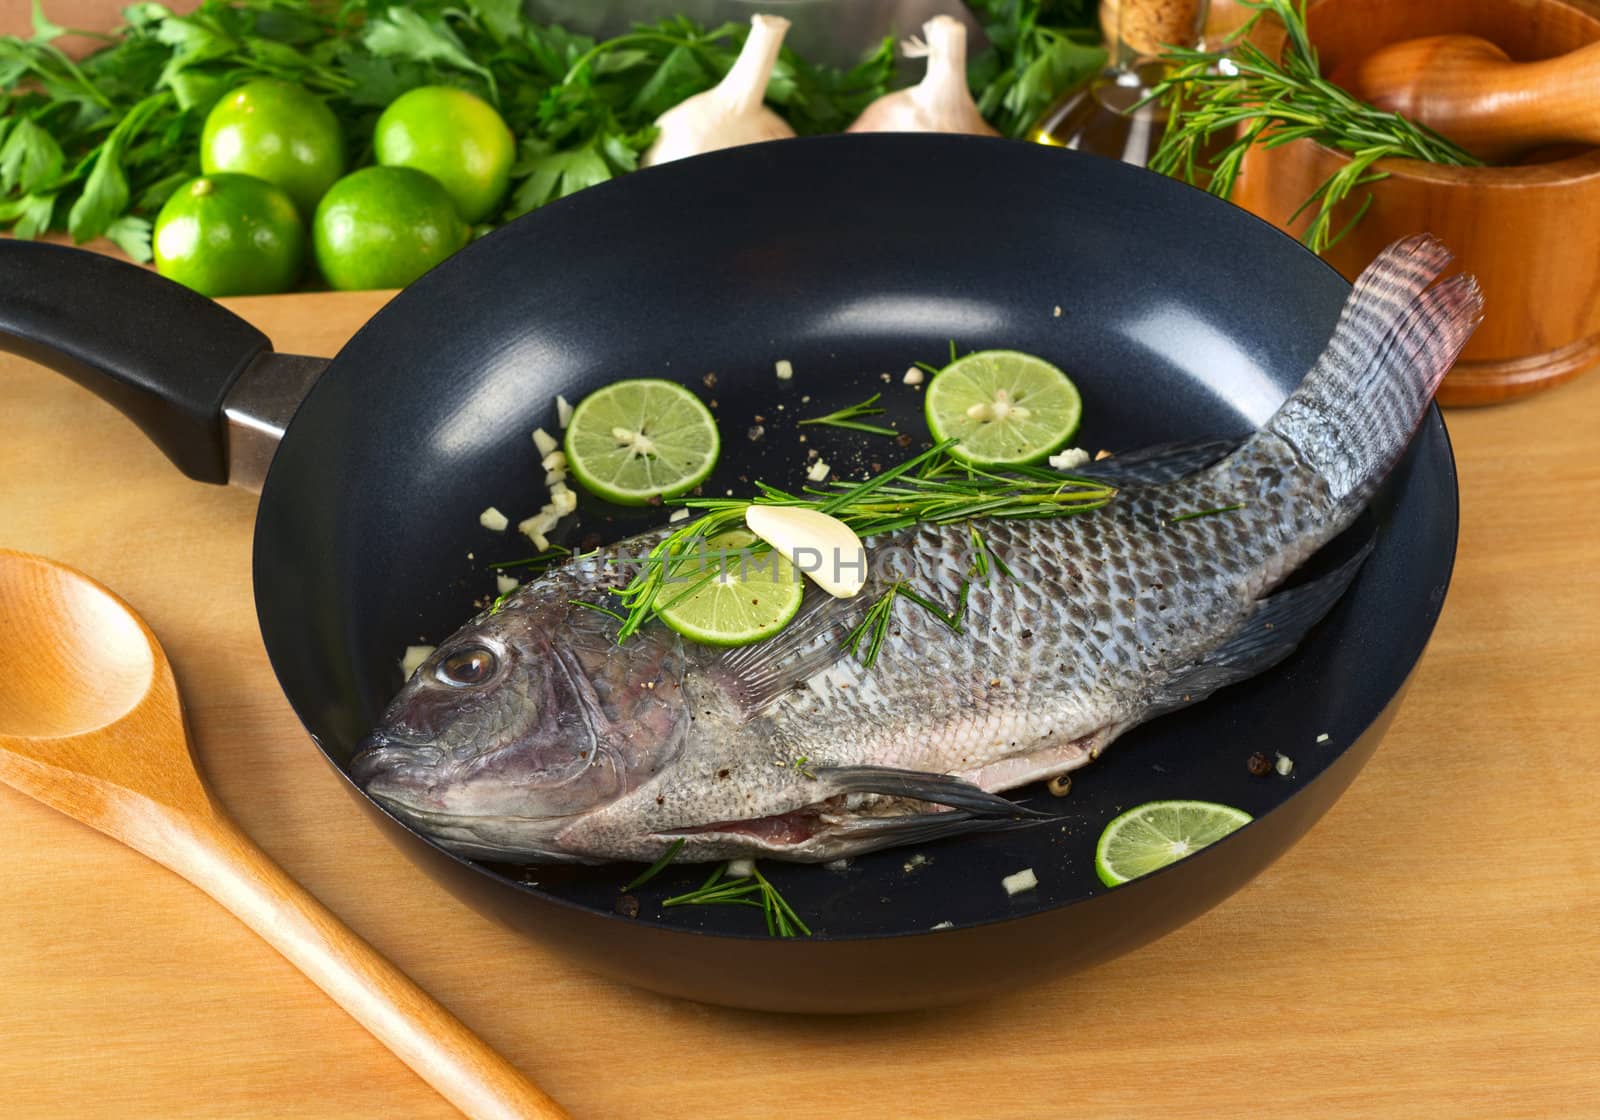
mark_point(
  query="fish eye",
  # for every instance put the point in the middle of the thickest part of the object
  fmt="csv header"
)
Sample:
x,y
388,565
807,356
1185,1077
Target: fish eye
x,y
467,667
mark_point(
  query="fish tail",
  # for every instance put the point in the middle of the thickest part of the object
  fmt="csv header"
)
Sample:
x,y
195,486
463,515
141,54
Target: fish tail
x,y
1353,415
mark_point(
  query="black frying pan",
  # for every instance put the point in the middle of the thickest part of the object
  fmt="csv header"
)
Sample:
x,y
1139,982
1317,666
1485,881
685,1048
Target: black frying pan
x,y
1180,316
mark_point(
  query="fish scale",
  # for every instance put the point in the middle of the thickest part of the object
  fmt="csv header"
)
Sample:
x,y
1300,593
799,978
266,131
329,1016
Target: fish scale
x,y
578,748
1096,595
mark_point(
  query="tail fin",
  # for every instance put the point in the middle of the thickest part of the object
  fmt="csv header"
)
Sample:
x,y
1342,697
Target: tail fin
x,y
1355,412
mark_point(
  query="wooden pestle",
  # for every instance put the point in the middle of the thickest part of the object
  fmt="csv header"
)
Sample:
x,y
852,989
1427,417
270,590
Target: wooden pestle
x,y
1469,90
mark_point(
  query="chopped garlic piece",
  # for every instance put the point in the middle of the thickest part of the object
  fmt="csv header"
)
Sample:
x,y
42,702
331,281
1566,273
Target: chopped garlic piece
x,y
544,441
785,369
555,461
552,479
943,925
1057,312
740,868
1069,458
1024,880
818,471
504,583
679,515
415,656
492,518
535,528
564,501
563,411
913,376
1323,738
1284,765
825,549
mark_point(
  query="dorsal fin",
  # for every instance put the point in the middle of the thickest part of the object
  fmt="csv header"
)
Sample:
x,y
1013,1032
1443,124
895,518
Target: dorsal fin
x,y
1160,463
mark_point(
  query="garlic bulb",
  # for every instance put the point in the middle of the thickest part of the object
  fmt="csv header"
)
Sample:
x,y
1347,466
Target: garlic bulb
x,y
731,112
941,102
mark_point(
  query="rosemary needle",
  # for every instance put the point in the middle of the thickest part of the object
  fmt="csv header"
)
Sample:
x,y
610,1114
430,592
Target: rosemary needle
x,y
657,867
756,890
848,418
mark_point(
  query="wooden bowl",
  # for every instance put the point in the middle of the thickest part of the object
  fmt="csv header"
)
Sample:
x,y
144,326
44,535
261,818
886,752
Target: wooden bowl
x,y
1531,232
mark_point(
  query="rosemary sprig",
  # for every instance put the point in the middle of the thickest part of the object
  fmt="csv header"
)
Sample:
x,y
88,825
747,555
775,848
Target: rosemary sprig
x,y
755,890
554,554
931,488
847,418
598,608
657,867
985,558
1239,90
874,625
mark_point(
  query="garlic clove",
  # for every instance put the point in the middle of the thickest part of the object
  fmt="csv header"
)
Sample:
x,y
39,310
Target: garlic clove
x,y
941,102
823,547
732,112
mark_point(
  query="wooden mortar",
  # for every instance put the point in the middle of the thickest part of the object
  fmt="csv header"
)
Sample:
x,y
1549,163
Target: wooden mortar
x,y
1530,232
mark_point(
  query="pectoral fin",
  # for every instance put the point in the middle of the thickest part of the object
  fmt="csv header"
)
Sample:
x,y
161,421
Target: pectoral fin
x,y
917,785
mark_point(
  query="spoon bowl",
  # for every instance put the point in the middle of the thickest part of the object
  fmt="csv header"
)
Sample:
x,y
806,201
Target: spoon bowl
x,y
91,725
82,664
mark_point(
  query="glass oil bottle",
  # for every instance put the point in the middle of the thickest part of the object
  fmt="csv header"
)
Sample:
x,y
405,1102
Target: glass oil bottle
x,y
1105,116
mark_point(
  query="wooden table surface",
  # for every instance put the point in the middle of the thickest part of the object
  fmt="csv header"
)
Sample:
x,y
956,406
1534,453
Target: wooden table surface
x,y
1432,948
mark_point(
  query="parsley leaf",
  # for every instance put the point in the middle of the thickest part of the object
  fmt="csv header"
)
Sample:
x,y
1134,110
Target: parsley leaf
x,y
29,158
402,33
105,195
1031,62
43,30
132,235
31,214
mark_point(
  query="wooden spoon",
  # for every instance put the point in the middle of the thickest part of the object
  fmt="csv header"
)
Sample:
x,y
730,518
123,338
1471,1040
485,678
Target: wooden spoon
x,y
90,724
1469,90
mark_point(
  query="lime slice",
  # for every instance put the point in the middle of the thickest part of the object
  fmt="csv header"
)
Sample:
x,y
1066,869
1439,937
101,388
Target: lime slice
x,y
752,595
1004,406
1150,836
641,439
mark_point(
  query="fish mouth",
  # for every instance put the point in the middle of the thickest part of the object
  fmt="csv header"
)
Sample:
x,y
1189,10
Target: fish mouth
x,y
379,755
467,836
400,774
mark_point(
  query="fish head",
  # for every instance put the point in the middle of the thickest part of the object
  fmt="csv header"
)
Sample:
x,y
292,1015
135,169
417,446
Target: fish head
x,y
521,723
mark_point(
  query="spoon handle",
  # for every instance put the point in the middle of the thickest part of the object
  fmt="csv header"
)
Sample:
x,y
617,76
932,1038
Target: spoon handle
x,y
216,856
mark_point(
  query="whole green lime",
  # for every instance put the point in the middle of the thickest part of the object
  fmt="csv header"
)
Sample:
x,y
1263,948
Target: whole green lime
x,y
382,227
279,132
457,138
230,235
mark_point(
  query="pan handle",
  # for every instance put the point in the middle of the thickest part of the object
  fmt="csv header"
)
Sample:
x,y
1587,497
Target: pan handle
x,y
162,354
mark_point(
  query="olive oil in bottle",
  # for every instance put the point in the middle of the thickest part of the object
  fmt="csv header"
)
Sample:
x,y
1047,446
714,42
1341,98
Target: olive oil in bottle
x,y
1105,116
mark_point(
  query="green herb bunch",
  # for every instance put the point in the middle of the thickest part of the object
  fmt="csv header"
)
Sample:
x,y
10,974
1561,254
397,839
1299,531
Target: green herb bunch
x,y
95,146
1037,50
1241,91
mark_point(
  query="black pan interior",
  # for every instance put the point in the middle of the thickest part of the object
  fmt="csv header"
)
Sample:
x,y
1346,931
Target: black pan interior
x,y
850,257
